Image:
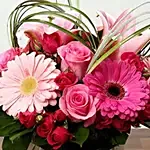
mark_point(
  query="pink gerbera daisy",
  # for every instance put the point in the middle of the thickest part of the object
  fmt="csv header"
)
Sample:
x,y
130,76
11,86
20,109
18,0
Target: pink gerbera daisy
x,y
121,89
28,84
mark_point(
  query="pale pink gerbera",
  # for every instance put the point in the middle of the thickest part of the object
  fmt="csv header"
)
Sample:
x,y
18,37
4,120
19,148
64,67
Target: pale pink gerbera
x,y
28,84
121,89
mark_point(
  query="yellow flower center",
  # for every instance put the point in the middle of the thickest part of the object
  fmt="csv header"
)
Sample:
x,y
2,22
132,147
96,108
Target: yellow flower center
x,y
28,86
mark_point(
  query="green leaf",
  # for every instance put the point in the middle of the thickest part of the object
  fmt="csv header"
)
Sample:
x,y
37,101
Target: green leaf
x,y
5,119
8,124
39,141
120,139
21,133
81,135
21,143
10,128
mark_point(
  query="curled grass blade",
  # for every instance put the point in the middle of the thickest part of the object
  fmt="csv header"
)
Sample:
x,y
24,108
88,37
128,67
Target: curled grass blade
x,y
55,26
109,52
112,33
64,15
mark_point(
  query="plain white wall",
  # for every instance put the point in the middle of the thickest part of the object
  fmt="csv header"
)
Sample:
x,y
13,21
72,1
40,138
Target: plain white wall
x,y
89,6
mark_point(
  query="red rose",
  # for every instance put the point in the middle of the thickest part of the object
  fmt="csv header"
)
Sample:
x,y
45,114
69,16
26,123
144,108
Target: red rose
x,y
133,59
59,116
46,127
58,137
102,122
51,42
66,79
121,125
28,119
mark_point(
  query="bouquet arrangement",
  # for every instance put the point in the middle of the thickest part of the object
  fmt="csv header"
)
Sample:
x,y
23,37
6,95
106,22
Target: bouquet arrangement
x,y
72,86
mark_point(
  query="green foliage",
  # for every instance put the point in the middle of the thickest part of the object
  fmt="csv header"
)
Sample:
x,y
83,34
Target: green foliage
x,y
16,136
120,139
39,141
8,124
20,143
81,135
19,16
10,128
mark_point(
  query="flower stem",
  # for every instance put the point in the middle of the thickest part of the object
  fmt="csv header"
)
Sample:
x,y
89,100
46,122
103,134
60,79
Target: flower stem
x,y
12,138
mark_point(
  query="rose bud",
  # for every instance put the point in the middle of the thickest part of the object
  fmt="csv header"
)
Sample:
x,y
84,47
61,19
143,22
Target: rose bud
x,y
66,79
28,119
58,137
46,127
51,42
59,116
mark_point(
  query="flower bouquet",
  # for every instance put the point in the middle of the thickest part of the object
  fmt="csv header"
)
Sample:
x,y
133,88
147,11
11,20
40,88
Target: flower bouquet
x,y
71,85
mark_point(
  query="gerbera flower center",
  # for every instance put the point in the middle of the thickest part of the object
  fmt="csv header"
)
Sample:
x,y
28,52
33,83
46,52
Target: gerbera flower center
x,y
28,86
114,91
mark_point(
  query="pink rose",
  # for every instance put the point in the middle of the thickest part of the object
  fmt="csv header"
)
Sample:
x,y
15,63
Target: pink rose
x,y
8,56
76,57
51,42
78,105
66,79
28,119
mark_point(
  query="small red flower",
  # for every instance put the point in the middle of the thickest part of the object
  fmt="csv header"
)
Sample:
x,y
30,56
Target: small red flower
x,y
102,122
58,137
66,79
28,119
147,111
121,125
145,114
46,127
59,116
51,42
133,59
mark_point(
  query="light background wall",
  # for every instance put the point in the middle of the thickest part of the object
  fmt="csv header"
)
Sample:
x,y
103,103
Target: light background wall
x,y
89,6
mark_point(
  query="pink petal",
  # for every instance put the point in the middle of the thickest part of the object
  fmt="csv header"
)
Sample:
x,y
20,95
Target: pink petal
x,y
107,21
52,102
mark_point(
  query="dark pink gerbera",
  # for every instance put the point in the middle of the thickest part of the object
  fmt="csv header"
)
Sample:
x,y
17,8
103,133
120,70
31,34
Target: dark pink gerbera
x,y
120,87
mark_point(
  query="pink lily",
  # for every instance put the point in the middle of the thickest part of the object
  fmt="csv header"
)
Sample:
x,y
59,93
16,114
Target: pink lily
x,y
133,45
34,32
